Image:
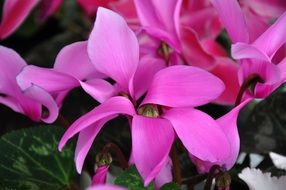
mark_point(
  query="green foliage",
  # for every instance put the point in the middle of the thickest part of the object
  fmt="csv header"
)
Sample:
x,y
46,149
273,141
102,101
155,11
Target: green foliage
x,y
30,159
170,186
131,179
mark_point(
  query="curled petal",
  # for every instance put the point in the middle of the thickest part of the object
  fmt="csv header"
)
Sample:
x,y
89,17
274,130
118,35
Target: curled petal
x,y
155,136
113,52
199,133
48,79
44,98
232,18
14,13
182,86
113,106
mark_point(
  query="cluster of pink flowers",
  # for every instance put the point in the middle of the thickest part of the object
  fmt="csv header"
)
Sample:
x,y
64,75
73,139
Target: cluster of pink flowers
x,y
165,61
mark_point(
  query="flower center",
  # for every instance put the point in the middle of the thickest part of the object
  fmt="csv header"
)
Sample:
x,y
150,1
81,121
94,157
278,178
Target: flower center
x,y
103,159
149,110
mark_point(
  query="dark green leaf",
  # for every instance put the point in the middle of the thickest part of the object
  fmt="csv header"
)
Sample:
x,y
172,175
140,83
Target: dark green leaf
x,y
131,179
170,186
30,160
263,130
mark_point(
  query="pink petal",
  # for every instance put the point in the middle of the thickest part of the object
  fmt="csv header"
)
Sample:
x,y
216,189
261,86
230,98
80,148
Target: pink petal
x,y
152,139
273,38
227,71
44,98
106,187
199,133
247,51
147,68
48,79
10,93
73,60
267,71
85,140
165,175
193,51
113,52
14,13
155,15
232,18
182,86
111,107
99,89
49,7
90,6
100,175
229,127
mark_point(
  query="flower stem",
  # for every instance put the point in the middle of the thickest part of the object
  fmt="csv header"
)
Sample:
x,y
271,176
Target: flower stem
x,y
212,174
176,165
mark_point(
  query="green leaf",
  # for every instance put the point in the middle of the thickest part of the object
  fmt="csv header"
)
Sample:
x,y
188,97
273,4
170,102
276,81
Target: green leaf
x,y
131,179
30,159
170,186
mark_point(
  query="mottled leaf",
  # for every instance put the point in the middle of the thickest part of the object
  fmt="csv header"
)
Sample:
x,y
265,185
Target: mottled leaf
x,y
30,159
131,179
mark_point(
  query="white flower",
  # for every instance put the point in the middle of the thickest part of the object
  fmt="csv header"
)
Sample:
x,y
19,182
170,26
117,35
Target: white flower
x,y
256,180
278,160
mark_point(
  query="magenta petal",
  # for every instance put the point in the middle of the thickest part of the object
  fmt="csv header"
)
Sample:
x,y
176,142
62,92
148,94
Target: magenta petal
x,y
229,127
232,18
247,51
48,79
199,133
157,16
152,139
48,7
44,98
73,60
10,93
114,52
106,187
147,68
227,71
182,86
113,106
85,140
193,51
273,38
165,175
100,175
14,13
99,89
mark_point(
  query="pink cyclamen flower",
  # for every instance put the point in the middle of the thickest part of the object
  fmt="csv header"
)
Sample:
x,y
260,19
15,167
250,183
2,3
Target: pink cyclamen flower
x,y
176,90
191,33
100,175
72,68
228,124
106,187
16,11
27,101
256,57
